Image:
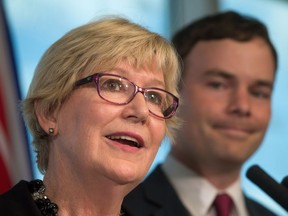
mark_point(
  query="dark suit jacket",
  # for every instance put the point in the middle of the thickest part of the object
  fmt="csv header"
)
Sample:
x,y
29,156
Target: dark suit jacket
x,y
156,197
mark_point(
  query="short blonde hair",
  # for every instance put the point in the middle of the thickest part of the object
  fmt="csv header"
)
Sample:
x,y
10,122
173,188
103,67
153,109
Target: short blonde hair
x,y
93,47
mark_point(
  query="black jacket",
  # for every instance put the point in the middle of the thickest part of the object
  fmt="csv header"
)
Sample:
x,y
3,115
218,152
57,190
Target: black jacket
x,y
18,202
156,197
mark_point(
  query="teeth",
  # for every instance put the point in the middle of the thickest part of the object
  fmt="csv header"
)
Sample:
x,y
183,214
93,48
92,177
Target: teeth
x,y
125,138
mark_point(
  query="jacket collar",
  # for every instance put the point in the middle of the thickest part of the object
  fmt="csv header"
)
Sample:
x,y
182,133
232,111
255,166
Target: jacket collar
x,y
159,191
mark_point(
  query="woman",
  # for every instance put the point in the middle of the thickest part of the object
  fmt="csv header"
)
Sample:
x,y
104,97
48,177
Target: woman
x,y
99,104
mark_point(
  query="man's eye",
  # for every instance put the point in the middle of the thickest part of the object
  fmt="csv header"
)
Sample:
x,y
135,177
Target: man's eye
x,y
263,95
216,85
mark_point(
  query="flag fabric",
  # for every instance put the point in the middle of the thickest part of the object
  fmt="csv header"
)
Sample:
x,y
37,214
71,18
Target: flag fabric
x,y
15,163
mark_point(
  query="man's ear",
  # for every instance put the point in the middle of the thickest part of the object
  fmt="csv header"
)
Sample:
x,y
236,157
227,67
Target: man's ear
x,y
46,120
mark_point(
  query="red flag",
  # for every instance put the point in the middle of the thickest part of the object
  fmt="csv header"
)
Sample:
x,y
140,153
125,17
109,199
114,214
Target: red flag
x,y
15,162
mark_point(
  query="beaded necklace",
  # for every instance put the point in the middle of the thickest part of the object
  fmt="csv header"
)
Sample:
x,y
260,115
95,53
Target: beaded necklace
x,y
47,208
37,189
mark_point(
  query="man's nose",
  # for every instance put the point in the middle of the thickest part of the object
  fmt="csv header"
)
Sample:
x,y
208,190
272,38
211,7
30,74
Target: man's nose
x,y
240,103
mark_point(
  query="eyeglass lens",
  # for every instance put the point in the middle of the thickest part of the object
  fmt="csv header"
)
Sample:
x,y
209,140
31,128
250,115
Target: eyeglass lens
x,y
121,91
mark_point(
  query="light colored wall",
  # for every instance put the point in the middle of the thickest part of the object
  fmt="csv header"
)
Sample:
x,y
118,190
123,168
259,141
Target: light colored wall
x,y
184,11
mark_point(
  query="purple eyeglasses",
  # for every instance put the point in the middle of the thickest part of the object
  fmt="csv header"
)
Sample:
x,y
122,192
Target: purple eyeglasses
x,y
119,90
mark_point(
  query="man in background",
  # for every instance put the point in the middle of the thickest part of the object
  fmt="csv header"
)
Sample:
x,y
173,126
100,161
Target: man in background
x,y
227,82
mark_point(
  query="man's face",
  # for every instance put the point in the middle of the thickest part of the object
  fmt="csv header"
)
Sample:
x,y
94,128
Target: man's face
x,y
226,96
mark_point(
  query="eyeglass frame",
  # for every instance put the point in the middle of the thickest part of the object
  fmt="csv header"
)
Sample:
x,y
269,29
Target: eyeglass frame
x,y
95,78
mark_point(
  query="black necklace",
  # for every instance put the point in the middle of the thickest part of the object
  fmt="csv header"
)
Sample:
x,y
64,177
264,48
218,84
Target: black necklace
x,y
37,189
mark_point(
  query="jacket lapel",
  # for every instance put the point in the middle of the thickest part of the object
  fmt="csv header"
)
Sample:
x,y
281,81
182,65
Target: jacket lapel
x,y
159,191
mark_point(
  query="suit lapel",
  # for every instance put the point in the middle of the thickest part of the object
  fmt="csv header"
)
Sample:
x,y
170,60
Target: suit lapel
x,y
159,191
256,209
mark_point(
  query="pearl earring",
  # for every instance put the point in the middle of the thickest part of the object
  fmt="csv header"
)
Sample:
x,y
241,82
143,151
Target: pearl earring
x,y
51,130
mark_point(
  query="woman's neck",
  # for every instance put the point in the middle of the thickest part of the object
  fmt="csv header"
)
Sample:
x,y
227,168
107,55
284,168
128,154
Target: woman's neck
x,y
84,196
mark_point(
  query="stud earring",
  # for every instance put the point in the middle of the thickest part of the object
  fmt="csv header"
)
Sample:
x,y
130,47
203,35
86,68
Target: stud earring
x,y
51,131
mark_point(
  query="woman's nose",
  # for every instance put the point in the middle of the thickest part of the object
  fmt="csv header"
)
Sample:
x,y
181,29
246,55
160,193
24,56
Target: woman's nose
x,y
137,109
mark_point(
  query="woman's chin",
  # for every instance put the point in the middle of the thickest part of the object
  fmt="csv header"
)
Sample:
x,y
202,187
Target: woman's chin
x,y
128,176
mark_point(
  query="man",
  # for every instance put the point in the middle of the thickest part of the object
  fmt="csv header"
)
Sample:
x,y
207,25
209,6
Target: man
x,y
227,81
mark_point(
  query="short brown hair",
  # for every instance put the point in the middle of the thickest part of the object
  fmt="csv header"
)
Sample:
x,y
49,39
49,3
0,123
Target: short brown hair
x,y
223,25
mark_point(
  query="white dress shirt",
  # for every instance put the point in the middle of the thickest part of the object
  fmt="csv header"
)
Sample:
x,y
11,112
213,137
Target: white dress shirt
x,y
197,194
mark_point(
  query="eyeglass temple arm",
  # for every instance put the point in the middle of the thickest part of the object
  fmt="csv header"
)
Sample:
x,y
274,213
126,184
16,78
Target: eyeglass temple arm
x,y
84,80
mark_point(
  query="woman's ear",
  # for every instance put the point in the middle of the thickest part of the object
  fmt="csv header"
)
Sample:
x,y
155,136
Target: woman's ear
x,y
46,120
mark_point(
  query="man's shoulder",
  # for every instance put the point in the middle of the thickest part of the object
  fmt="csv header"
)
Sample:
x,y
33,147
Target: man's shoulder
x,y
155,183
154,196
255,208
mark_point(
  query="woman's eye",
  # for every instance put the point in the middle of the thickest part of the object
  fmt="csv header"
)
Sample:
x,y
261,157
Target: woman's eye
x,y
154,98
112,85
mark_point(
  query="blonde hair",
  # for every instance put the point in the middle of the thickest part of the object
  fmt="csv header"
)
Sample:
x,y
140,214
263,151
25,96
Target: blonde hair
x,y
84,50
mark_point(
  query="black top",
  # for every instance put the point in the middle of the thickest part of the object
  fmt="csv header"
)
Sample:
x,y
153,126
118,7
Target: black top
x,y
18,202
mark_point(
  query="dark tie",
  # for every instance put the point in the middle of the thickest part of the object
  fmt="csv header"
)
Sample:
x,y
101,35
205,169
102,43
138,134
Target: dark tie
x,y
223,205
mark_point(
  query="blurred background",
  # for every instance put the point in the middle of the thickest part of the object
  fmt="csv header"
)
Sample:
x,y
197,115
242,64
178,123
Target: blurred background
x,y
34,25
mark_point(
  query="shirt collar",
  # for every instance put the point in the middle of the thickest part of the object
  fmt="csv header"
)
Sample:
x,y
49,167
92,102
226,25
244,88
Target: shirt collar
x,y
201,194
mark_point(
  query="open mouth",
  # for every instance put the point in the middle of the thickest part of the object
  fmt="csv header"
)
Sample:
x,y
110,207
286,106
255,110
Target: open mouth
x,y
126,140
